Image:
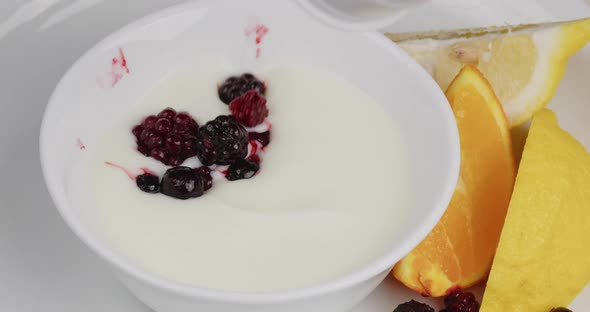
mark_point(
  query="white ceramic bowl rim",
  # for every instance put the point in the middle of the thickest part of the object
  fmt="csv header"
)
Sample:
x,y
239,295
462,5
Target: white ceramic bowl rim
x,y
352,22
366,25
380,265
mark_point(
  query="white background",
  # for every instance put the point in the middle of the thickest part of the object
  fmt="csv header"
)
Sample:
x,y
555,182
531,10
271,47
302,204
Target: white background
x,y
43,266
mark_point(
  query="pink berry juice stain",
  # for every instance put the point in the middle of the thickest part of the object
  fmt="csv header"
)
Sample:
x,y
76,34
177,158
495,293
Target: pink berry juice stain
x,y
128,171
257,32
119,69
80,145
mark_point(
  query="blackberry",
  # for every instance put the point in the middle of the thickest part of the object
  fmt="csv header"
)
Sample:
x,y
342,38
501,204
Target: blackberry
x,y
249,108
413,306
221,141
205,173
262,137
182,183
148,183
168,137
561,309
459,301
235,86
243,168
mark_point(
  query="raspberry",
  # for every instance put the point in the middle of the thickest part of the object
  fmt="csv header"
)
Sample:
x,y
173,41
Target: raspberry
x,y
249,109
221,141
459,301
151,138
174,144
160,154
182,183
413,306
137,130
168,113
168,137
149,120
189,146
205,173
163,126
243,168
234,87
183,119
262,137
148,183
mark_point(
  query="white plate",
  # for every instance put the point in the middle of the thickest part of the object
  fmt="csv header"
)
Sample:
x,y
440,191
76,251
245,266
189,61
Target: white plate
x,y
43,267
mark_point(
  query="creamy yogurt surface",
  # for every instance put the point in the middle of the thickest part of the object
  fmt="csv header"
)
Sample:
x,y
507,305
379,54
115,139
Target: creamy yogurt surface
x,y
326,201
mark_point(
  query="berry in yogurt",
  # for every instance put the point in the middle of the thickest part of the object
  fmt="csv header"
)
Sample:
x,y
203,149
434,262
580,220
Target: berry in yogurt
x,y
182,183
222,141
149,183
235,86
168,137
243,168
249,109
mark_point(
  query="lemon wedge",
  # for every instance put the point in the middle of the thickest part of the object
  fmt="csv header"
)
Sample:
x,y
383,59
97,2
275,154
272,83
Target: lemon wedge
x,y
524,64
543,257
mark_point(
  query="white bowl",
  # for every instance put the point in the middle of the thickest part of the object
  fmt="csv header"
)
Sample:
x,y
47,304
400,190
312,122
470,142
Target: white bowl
x,y
355,15
94,88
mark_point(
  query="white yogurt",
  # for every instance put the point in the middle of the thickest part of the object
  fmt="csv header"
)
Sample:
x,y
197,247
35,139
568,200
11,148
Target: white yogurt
x,y
325,203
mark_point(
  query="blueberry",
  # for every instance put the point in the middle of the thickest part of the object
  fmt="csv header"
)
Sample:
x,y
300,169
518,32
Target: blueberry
x,y
182,183
148,183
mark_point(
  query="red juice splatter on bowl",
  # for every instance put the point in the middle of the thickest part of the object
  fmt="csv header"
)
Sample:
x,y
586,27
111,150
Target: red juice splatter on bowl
x,y
128,171
258,32
80,145
119,68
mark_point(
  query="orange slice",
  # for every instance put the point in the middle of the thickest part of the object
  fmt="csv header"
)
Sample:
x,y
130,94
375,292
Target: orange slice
x,y
459,251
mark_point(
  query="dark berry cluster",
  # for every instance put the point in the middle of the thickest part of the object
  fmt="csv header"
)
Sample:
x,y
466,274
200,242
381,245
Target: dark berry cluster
x,y
169,137
172,137
224,140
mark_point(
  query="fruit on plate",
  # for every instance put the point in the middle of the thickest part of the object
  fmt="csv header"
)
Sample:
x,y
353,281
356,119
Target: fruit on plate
x,y
543,258
458,252
524,64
